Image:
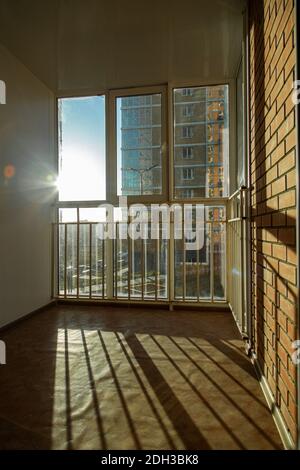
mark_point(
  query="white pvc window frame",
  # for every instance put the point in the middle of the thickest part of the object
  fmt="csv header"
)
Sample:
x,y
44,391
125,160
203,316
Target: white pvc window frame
x,y
167,142
229,170
112,157
81,94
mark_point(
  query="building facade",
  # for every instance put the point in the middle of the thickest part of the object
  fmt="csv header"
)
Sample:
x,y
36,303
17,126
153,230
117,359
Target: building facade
x,y
139,126
199,115
200,135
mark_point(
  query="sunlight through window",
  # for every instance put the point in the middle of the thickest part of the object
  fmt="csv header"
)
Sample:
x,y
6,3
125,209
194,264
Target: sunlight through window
x,y
81,148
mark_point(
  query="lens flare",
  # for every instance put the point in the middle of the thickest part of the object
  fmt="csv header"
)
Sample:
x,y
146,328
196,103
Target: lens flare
x,y
9,171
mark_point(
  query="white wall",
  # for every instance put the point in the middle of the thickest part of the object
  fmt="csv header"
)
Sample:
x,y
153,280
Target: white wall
x,y
26,142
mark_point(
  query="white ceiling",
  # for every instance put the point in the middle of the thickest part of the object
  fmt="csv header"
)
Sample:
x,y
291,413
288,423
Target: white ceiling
x,y
99,44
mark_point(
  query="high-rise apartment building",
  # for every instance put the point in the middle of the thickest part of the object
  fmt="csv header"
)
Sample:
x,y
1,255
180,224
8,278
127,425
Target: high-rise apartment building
x,y
200,116
140,144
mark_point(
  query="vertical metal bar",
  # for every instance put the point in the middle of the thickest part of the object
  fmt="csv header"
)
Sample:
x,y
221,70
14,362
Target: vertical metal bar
x,y
224,229
197,274
142,260
129,266
242,276
65,262
78,251
169,270
239,241
228,251
52,258
235,261
90,260
109,258
232,262
156,264
228,262
113,266
58,257
171,261
212,271
55,260
116,259
183,259
103,259
233,287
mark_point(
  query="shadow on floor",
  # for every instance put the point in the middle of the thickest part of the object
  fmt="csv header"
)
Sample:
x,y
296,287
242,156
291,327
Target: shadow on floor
x,y
119,378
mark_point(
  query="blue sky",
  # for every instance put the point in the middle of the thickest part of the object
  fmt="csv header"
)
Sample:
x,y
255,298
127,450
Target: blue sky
x,y
82,175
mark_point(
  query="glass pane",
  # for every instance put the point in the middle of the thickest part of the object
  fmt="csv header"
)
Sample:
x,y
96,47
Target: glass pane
x,y
98,261
71,259
150,279
61,258
67,259
81,130
204,268
201,144
197,270
179,270
219,244
121,260
136,268
67,215
139,145
196,278
92,214
67,275
163,269
84,261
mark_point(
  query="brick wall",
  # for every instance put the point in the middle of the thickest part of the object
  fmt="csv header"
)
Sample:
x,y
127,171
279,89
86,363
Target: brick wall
x,y
273,197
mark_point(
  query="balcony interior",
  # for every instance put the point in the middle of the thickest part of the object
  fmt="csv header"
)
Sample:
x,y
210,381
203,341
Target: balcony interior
x,y
121,343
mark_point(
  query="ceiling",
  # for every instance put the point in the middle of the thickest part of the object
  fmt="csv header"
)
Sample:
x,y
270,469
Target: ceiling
x,y
101,44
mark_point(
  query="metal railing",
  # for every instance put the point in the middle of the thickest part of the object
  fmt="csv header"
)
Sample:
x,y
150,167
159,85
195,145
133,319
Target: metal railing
x,y
236,249
90,265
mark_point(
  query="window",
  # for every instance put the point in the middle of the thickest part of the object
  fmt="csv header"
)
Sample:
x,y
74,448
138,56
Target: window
x,y
188,173
187,152
210,136
187,91
187,132
139,144
220,115
209,140
81,137
137,165
210,154
188,193
137,168
187,110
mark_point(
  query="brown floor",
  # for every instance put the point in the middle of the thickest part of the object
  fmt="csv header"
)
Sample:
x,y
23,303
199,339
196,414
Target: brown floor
x,y
120,378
